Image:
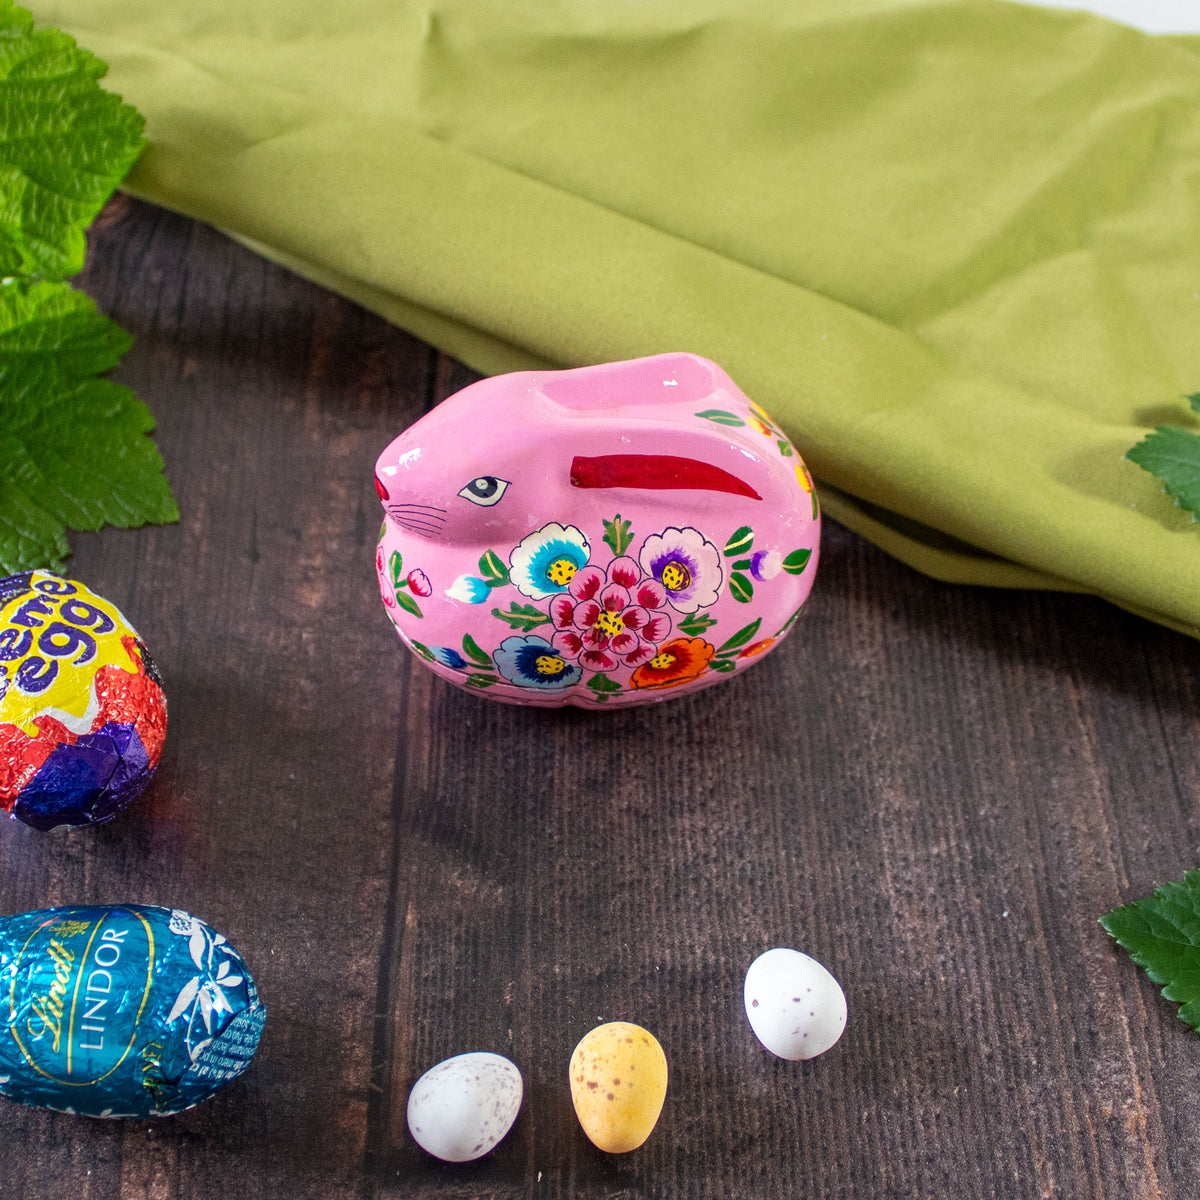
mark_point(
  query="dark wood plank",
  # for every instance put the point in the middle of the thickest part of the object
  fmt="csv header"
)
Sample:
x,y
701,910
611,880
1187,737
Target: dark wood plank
x,y
934,790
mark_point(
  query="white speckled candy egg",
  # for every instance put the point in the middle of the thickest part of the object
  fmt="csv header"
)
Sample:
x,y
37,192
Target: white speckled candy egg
x,y
794,1005
460,1109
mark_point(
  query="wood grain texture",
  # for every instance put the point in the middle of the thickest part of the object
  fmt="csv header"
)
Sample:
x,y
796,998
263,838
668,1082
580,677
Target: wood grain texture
x,y
934,790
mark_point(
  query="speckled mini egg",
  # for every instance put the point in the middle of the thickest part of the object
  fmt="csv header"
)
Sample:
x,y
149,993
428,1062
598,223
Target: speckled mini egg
x,y
618,1085
794,1005
463,1107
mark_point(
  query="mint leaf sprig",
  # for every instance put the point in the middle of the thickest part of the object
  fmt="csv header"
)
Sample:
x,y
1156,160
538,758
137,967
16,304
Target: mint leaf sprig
x,y
1162,935
1172,454
73,450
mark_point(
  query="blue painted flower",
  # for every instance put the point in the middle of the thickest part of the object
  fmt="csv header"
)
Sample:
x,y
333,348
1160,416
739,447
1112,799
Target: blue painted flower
x,y
533,663
545,561
448,657
468,588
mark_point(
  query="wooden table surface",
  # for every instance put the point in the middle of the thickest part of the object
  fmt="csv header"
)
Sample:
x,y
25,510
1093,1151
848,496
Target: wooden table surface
x,y
934,790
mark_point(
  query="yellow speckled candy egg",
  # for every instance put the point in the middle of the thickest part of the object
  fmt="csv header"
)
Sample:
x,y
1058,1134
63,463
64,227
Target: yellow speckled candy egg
x,y
618,1085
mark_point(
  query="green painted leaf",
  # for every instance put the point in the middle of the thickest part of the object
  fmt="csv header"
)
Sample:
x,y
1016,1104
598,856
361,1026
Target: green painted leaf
x,y
493,570
522,616
1173,456
785,448
724,665
473,651
740,588
603,686
423,651
696,623
382,531
407,603
481,681
617,534
816,510
1162,935
73,446
739,542
65,144
795,562
396,567
721,417
743,637
790,621
742,564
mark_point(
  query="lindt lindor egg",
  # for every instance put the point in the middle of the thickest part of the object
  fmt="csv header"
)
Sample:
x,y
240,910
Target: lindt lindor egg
x,y
618,1085
610,535
461,1108
83,715
794,1005
121,1010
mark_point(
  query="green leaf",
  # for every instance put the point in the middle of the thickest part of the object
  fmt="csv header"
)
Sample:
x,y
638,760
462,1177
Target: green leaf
x,y
741,588
73,446
696,623
472,650
1173,456
494,572
725,665
423,650
65,144
481,681
522,616
407,603
721,417
1162,935
617,534
743,637
740,542
785,448
396,567
795,562
603,686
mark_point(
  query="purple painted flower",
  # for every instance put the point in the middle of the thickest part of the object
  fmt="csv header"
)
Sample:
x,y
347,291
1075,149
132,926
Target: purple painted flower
x,y
686,564
766,564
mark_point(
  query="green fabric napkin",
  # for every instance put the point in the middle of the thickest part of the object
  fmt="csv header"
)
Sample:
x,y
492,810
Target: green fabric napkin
x,y
954,247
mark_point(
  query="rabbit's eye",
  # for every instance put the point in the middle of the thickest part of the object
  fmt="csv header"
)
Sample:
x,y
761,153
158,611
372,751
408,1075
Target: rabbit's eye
x,y
485,490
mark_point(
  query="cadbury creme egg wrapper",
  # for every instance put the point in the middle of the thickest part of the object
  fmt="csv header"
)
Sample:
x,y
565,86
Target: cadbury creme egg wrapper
x,y
83,715
121,1010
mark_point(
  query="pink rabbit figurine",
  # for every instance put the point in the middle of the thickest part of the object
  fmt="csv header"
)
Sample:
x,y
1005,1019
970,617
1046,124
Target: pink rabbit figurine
x,y
603,536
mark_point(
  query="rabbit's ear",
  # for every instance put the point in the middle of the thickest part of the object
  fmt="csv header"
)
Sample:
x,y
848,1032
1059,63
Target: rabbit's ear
x,y
661,379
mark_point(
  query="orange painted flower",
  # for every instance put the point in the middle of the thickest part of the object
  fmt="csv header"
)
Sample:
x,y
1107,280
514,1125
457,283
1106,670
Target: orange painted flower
x,y
679,661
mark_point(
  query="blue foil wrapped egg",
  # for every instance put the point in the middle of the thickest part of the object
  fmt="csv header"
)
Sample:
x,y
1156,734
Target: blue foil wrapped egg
x,y
121,1011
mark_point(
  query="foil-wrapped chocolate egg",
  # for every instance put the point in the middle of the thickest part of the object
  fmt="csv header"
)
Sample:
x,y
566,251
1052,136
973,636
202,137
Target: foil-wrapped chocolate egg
x,y
121,1010
83,715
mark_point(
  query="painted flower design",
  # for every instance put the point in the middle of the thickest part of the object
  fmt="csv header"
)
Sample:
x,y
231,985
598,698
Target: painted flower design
x,y
757,648
766,564
470,589
545,561
611,616
418,581
686,564
448,657
532,662
679,661
385,589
